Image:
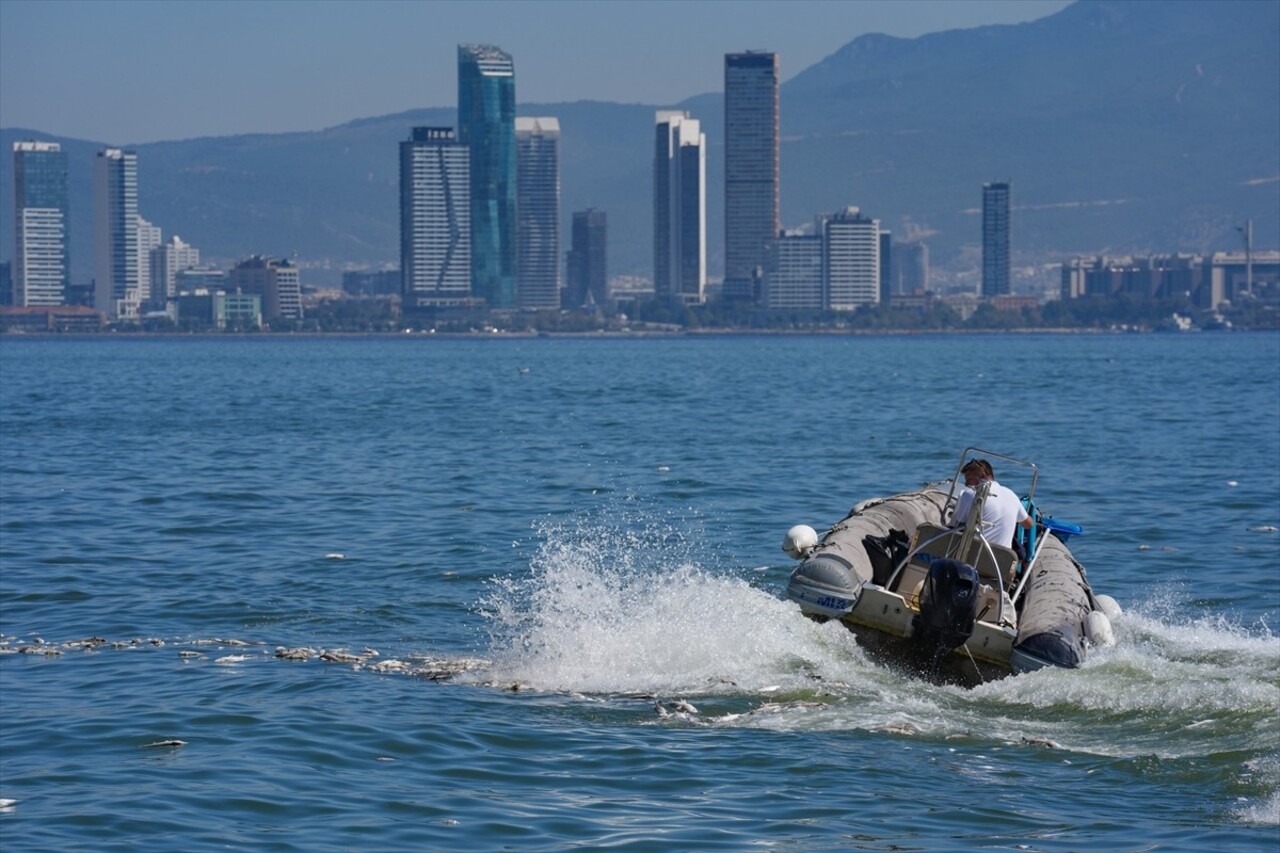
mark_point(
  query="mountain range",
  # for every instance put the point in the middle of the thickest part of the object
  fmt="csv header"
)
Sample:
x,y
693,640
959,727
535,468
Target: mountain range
x,y
1123,126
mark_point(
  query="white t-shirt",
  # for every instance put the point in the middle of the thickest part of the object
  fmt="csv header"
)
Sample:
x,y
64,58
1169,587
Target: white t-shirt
x,y
1001,513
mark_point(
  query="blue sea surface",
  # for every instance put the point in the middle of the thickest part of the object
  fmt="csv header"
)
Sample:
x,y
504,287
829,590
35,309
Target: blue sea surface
x,y
535,594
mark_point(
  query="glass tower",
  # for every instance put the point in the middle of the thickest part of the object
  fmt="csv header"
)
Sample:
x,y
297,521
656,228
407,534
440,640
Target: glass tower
x,y
995,239
435,219
117,283
679,208
751,216
487,125
42,259
588,260
538,213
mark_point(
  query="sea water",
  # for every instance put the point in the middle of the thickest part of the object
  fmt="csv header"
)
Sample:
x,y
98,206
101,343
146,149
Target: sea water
x,y
536,593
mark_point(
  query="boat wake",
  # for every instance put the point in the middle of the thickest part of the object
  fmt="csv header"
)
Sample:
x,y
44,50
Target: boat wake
x,y
634,615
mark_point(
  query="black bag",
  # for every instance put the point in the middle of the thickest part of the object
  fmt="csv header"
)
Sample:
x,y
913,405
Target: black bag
x,y
885,553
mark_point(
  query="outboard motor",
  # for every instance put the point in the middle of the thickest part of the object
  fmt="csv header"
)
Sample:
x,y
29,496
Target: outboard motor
x,y
948,607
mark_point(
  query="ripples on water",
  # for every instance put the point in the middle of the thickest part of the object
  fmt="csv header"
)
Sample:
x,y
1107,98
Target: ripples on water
x,y
565,561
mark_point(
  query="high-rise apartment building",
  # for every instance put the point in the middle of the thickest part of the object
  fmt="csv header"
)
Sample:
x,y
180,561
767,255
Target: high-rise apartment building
x,y
435,219
850,260
751,170
41,199
276,281
996,263
793,273
117,283
538,213
487,125
679,208
910,268
588,279
149,238
165,262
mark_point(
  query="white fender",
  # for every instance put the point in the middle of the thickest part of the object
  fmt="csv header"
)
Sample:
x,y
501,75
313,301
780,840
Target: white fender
x,y
1097,628
1107,605
799,541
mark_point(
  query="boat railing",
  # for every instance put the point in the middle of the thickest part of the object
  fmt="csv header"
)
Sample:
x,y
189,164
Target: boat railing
x,y
953,551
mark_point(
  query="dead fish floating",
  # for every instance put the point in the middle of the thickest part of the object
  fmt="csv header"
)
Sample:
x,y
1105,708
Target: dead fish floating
x,y
160,744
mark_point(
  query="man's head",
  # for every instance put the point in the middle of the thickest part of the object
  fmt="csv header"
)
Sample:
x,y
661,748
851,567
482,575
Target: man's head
x,y
977,470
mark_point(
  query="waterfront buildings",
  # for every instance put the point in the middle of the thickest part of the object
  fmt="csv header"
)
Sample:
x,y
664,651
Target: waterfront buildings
x,y
996,263
217,309
538,213
117,282
793,273
165,262
910,268
679,208
435,219
850,260
588,270
486,125
1207,281
275,281
751,169
42,258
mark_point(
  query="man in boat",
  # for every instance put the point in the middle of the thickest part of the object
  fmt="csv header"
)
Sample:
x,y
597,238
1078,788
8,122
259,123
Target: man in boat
x,y
1002,512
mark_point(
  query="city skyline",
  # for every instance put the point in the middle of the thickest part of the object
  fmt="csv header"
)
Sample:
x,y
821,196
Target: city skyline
x,y
396,56
859,182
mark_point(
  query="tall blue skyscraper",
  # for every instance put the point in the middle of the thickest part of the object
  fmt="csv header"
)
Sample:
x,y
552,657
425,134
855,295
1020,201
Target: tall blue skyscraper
x,y
117,279
487,125
751,177
538,213
435,219
42,257
996,263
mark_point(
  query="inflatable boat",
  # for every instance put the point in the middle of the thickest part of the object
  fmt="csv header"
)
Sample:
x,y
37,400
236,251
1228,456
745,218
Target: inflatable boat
x,y
925,591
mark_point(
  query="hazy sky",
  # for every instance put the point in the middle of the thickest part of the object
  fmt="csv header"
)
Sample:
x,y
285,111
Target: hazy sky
x,y
135,71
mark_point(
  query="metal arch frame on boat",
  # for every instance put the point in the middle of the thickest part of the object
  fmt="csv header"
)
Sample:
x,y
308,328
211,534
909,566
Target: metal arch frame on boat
x,y
968,454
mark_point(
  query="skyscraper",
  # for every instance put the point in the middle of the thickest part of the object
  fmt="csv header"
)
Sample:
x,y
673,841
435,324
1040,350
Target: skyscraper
x,y
751,217
588,260
486,124
850,260
149,237
538,213
42,257
117,286
679,208
995,239
435,219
